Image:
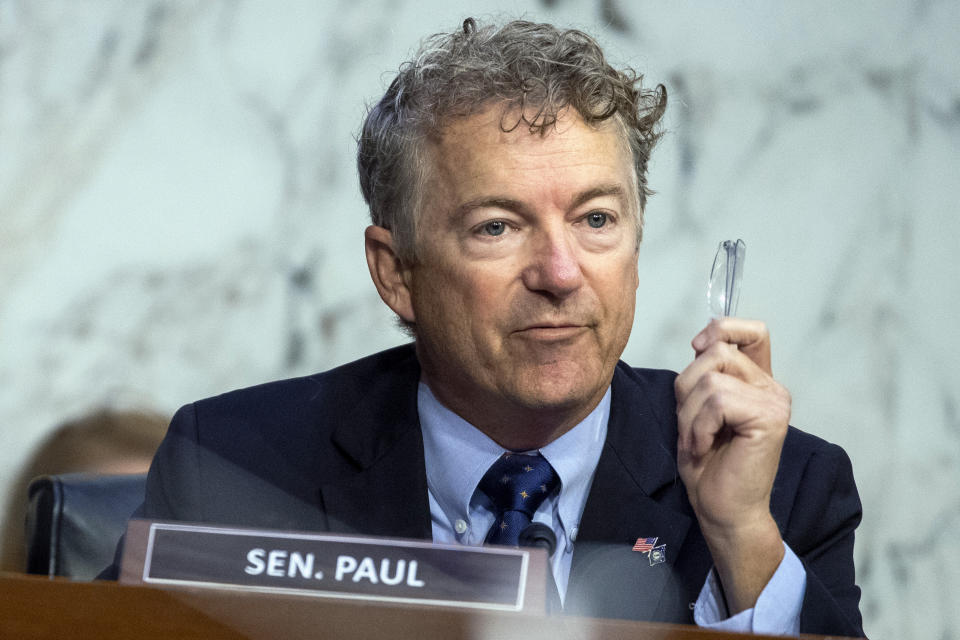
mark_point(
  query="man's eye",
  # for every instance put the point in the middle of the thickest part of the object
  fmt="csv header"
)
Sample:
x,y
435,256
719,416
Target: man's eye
x,y
494,228
596,219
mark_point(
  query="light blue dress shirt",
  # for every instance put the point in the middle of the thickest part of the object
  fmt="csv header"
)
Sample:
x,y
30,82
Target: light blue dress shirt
x,y
457,455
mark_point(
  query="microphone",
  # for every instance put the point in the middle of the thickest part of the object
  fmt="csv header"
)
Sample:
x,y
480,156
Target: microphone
x,y
537,534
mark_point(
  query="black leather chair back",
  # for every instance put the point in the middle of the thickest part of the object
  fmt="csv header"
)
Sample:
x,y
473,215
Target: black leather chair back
x,y
75,520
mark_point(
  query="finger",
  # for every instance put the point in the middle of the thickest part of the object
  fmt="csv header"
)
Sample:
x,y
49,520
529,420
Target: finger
x,y
700,417
691,469
721,407
721,357
708,416
751,336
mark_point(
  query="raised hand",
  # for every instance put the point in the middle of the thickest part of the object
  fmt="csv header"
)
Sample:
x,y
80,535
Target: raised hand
x,y
732,419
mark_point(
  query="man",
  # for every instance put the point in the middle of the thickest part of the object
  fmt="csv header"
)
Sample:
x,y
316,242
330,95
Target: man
x,y
505,169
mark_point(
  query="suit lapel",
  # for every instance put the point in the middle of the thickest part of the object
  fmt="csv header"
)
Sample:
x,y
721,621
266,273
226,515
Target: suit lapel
x,y
637,468
382,490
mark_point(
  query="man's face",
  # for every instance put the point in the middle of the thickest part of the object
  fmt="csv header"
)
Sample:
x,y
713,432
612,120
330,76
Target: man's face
x,y
523,292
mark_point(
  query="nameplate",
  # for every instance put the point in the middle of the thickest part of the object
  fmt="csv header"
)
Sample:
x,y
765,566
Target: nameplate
x,y
327,565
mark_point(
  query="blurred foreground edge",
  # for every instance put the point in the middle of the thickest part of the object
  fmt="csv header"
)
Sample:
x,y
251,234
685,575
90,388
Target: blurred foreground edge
x,y
37,607
33,607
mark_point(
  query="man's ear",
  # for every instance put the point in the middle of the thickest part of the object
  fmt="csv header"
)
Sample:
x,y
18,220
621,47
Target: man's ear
x,y
388,272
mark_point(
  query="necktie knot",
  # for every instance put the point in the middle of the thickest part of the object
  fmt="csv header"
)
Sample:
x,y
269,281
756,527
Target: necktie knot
x,y
517,484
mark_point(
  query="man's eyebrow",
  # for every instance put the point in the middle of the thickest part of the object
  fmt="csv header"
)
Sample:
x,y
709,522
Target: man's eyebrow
x,y
599,191
510,204
493,202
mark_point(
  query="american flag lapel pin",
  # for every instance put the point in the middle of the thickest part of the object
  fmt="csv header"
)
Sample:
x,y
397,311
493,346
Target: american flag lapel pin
x,y
644,545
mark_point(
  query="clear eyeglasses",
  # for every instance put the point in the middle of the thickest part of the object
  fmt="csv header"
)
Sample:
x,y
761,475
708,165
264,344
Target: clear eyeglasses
x,y
723,288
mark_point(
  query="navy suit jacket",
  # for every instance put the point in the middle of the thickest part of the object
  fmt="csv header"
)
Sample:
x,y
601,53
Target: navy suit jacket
x,y
342,451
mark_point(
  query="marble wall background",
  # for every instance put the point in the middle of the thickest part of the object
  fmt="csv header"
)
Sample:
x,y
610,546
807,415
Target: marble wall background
x,y
179,216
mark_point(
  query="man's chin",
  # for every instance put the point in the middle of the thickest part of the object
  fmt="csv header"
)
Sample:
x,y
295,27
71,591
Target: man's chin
x,y
558,388
544,413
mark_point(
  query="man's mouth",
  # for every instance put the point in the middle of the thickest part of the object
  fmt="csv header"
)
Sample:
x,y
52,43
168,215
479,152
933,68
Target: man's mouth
x,y
551,332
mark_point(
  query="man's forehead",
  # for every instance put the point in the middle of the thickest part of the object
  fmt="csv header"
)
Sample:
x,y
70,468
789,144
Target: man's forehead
x,y
468,144
494,130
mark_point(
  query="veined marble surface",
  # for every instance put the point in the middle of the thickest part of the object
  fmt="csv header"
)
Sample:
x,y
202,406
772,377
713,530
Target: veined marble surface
x,y
179,216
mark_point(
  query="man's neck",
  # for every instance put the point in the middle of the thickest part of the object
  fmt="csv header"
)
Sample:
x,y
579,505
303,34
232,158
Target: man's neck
x,y
514,427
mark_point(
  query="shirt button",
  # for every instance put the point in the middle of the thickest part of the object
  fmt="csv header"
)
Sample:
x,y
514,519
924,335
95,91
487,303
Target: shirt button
x,y
460,526
573,534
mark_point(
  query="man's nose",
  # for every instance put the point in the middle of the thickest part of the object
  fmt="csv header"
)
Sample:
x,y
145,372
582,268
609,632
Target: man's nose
x,y
554,266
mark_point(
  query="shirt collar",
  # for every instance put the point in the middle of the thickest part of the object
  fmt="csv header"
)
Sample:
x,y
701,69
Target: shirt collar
x,y
457,454
574,456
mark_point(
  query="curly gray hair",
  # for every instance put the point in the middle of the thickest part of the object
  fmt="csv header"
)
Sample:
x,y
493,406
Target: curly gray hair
x,y
535,70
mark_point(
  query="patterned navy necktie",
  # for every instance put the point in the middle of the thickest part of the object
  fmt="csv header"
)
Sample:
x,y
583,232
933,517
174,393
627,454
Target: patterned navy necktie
x,y
517,484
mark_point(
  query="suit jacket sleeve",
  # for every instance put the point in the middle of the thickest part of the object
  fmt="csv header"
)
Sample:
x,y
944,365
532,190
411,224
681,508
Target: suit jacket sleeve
x,y
174,466
820,529
174,477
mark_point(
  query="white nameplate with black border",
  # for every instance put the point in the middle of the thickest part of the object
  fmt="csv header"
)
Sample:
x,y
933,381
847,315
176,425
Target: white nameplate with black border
x,y
329,565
